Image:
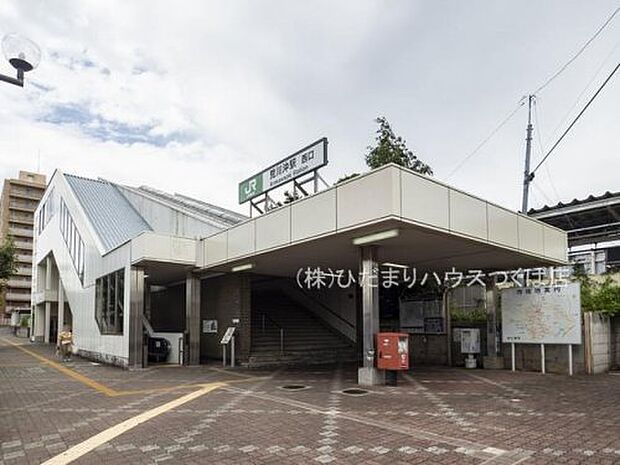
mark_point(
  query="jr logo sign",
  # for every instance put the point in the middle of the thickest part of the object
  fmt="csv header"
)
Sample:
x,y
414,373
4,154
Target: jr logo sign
x,y
250,188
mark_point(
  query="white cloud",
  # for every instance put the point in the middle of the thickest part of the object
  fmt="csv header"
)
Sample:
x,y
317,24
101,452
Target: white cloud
x,y
195,96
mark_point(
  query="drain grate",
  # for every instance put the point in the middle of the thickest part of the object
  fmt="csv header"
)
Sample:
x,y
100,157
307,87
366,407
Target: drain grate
x,y
355,392
294,387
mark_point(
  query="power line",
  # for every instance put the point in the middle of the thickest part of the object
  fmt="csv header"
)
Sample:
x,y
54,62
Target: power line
x,y
587,86
579,52
542,150
575,120
488,138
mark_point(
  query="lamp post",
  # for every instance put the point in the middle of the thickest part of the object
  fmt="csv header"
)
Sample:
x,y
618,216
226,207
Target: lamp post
x,y
23,54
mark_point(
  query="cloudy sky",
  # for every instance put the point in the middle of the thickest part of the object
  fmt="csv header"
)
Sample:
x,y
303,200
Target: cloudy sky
x,y
193,97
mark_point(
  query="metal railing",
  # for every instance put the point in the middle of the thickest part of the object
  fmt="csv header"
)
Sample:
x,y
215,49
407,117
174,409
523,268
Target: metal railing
x,y
264,320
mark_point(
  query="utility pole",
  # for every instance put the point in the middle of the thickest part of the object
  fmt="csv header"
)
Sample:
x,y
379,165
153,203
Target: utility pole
x,y
527,177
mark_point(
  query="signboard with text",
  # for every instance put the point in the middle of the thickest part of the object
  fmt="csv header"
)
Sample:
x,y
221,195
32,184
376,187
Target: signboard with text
x,y
230,331
542,315
304,161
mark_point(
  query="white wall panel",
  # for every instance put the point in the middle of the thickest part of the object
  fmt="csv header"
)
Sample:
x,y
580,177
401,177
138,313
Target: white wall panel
x,y
503,226
215,248
273,229
531,236
152,246
241,240
555,243
468,215
424,201
368,198
314,215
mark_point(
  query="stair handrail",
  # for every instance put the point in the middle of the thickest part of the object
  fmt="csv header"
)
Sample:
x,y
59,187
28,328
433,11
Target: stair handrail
x,y
264,318
321,304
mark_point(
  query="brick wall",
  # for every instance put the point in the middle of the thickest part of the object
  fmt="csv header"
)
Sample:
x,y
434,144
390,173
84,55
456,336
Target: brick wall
x,y
615,341
224,298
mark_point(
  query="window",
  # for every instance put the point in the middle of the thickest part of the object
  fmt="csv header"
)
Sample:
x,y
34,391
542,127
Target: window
x,y
72,238
45,212
109,302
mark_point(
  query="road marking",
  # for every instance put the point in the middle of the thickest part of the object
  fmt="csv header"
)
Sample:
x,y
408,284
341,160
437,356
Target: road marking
x,y
66,371
107,435
110,392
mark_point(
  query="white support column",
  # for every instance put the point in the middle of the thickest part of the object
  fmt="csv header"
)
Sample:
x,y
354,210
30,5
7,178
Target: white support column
x,y
368,374
542,359
512,355
48,322
61,308
570,359
38,329
48,305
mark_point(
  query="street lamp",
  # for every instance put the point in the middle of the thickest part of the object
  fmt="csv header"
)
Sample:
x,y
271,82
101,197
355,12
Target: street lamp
x,y
23,54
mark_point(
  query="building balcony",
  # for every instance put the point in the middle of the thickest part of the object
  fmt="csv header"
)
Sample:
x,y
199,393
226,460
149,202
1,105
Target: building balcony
x,y
23,271
22,206
21,245
21,220
15,297
44,296
23,232
25,195
19,283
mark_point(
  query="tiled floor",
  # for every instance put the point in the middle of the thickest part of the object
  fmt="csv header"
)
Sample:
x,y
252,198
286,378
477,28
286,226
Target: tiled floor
x,y
434,416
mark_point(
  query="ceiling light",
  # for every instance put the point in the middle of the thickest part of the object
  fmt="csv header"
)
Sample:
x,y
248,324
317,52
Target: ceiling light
x,y
376,237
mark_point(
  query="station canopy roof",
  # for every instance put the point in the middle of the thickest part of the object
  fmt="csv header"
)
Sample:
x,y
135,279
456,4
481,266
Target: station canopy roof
x,y
414,221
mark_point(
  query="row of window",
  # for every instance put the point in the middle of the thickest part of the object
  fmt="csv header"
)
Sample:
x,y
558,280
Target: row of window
x,y
72,238
109,302
45,212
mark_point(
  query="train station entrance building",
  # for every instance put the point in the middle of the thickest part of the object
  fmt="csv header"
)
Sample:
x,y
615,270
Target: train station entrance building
x,y
186,271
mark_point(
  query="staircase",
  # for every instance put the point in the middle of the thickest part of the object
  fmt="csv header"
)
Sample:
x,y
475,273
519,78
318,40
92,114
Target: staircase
x,y
285,333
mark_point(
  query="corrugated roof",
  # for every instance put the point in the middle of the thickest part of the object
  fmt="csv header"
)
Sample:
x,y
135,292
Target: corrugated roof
x,y
112,216
591,198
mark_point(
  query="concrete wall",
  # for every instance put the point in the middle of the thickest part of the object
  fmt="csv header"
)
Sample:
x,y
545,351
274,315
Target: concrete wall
x,y
597,330
428,349
527,358
224,298
167,220
163,248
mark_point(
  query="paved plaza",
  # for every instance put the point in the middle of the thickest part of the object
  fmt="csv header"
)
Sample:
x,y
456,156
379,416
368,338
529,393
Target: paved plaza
x,y
86,413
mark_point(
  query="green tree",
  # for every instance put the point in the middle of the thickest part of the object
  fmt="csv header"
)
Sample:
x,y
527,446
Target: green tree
x,y
391,148
598,296
8,261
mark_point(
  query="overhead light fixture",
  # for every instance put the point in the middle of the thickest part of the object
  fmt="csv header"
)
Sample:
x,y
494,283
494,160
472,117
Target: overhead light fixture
x,y
245,267
394,265
376,237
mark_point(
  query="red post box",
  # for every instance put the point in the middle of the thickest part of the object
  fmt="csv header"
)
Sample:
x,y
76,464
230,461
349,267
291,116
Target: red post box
x,y
392,351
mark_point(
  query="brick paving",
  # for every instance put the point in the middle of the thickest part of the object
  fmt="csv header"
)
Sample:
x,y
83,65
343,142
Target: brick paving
x,y
434,416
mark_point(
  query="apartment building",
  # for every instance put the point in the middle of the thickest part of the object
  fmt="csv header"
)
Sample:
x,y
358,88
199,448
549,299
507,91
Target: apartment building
x,y
20,198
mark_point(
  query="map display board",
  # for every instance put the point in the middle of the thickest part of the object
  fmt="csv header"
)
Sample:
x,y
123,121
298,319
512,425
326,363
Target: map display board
x,y
542,315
